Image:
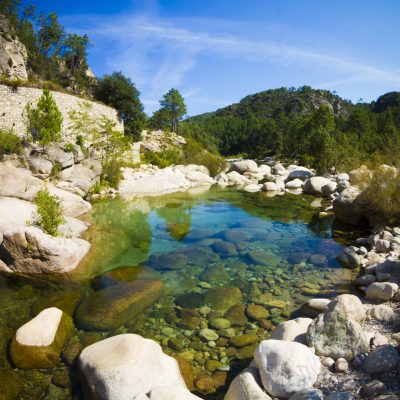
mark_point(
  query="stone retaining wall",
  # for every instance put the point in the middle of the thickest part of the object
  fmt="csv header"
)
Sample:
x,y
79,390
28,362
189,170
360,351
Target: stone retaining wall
x,y
13,103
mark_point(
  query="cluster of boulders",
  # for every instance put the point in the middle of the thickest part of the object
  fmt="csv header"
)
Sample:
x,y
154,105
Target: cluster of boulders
x,y
274,178
303,353
25,248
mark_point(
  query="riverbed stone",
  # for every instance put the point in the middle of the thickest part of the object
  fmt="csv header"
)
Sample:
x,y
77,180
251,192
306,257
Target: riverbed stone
x,y
381,290
365,280
337,336
257,312
220,323
223,298
169,262
292,331
237,315
244,340
39,342
11,384
208,335
381,360
110,308
349,259
126,366
286,367
318,304
224,249
246,386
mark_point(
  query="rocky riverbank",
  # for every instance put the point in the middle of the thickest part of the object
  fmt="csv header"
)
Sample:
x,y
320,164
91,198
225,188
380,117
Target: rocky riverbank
x,y
340,348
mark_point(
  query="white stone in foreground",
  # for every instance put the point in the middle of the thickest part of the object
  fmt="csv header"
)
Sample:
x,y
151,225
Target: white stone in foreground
x,y
127,366
33,334
286,367
172,393
246,386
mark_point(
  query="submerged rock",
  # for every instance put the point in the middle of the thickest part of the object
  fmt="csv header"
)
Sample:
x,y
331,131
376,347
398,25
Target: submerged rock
x,y
39,342
286,367
171,261
128,367
223,298
11,384
112,307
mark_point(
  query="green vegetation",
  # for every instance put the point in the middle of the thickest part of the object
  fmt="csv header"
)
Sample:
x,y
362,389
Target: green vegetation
x,y
381,193
45,121
103,141
53,54
49,215
119,92
172,110
10,142
191,153
316,127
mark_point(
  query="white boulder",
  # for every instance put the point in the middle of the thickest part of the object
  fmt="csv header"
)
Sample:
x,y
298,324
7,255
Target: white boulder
x,y
246,386
381,290
127,366
292,331
294,184
315,184
244,166
301,173
286,367
270,187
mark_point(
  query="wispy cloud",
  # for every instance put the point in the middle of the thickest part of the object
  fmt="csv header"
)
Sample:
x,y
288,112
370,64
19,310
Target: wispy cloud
x,y
158,53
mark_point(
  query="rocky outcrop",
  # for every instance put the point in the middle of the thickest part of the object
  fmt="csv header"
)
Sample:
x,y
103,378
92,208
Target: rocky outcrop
x,y
13,54
129,367
349,208
39,342
152,181
30,250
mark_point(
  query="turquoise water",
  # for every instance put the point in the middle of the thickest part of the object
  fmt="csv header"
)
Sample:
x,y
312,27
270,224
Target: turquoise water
x,y
215,253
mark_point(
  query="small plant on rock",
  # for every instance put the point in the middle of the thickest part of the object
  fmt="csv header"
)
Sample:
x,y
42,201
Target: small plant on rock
x,y
44,122
10,142
49,215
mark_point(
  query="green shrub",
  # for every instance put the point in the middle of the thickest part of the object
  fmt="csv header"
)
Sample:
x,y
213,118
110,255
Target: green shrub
x,y
194,153
381,193
10,142
111,174
49,215
168,156
56,170
45,121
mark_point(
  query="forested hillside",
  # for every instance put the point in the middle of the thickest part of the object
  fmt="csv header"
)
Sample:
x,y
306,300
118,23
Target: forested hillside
x,y
315,126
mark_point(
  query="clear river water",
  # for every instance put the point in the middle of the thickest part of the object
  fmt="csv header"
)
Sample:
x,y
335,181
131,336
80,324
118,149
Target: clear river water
x,y
199,260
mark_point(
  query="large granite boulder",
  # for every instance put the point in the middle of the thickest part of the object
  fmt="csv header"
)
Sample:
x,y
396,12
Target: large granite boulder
x,y
286,367
301,173
40,165
246,386
127,367
315,185
337,336
381,291
244,166
112,307
349,208
39,342
56,154
30,250
349,258
13,54
348,306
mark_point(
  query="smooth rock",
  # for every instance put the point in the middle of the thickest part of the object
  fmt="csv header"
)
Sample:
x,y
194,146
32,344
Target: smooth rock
x,y
244,166
318,304
126,366
39,342
348,206
365,280
292,331
381,360
57,155
381,291
341,365
349,259
246,386
382,313
286,367
110,308
270,187
294,184
315,184
373,388
172,392
208,335
278,169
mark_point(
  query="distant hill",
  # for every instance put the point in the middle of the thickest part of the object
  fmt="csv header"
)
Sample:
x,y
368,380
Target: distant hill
x,y
303,123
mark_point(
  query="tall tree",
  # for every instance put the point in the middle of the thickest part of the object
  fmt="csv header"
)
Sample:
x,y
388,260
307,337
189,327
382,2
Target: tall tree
x,y
174,107
120,92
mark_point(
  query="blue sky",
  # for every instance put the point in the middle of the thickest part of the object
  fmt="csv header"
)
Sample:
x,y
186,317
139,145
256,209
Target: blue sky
x,y
218,51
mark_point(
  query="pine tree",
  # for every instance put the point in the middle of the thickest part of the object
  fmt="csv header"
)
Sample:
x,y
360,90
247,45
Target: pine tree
x,y
45,121
174,107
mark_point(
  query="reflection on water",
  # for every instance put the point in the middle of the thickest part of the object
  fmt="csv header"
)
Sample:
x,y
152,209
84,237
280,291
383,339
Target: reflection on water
x,y
214,253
